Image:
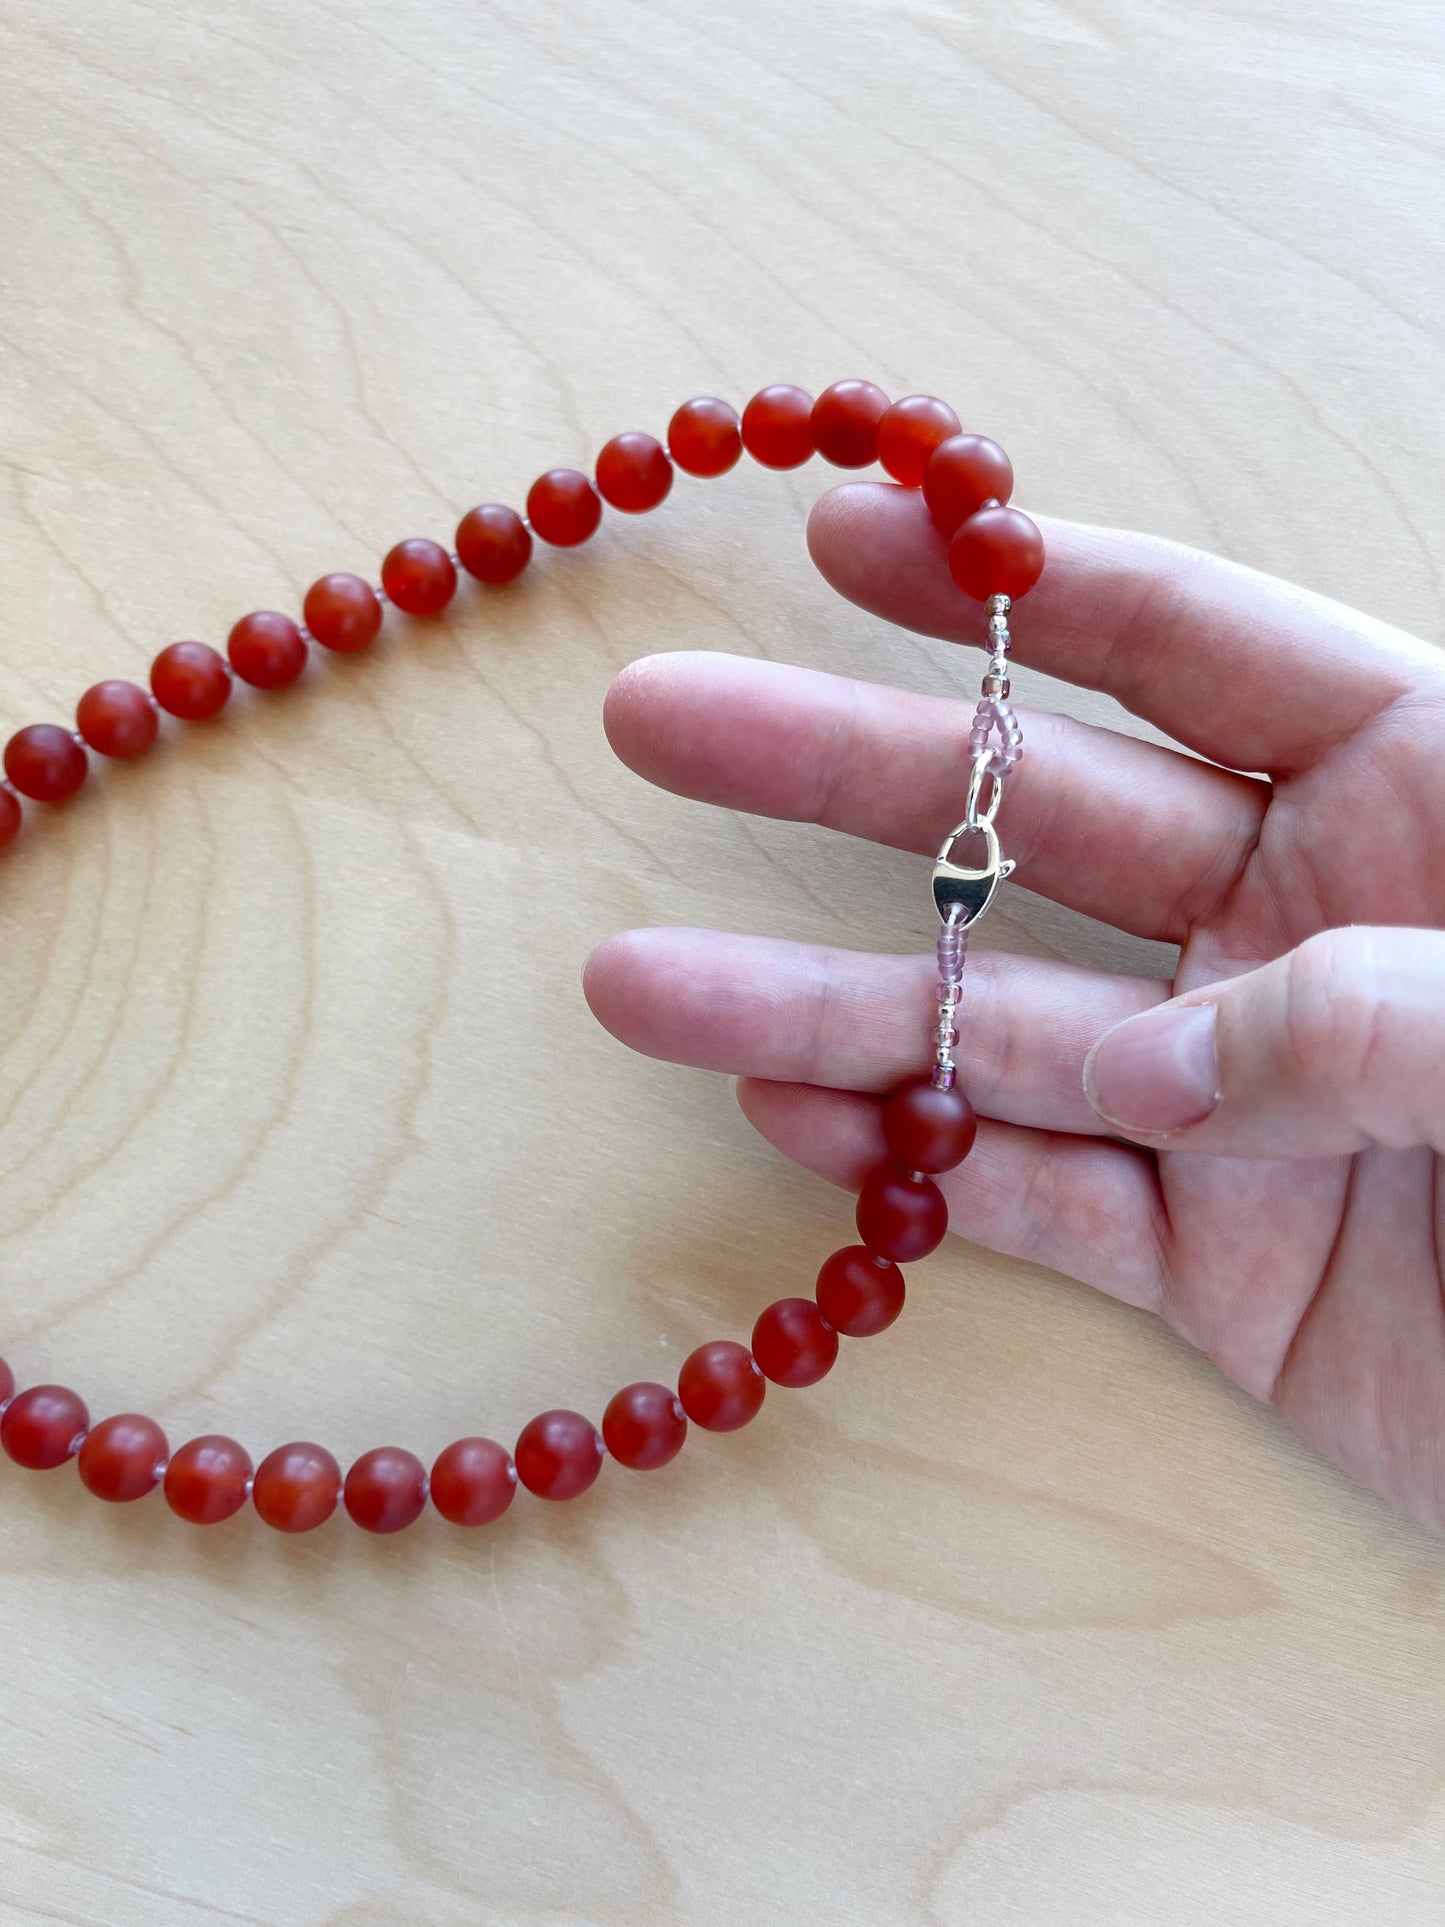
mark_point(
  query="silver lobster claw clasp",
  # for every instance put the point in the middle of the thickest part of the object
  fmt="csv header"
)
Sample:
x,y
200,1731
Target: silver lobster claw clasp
x,y
963,893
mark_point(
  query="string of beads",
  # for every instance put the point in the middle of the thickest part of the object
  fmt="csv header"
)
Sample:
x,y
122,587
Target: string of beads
x,y
995,553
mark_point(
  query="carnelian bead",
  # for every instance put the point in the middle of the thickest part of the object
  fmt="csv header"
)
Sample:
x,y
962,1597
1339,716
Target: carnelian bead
x,y
633,472
123,1458
858,1294
296,1487
962,474
386,1489
266,649
45,762
644,1426
777,426
117,719
473,1482
705,437
558,1455
11,816
493,544
845,423
909,433
7,1384
44,1426
928,1129
998,551
720,1386
419,576
899,1216
208,1479
343,613
563,507
793,1343
192,681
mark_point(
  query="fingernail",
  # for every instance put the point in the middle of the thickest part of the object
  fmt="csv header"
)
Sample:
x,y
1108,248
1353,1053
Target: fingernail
x,y
1157,1072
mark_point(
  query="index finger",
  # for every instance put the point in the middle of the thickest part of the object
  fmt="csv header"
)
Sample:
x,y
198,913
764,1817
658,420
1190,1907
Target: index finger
x,y
1252,672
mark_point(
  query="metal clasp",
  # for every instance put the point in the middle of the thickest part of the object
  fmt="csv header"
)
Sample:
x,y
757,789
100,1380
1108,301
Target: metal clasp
x,y
972,890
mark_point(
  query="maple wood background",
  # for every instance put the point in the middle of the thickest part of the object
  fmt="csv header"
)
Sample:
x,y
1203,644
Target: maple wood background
x,y
1023,1618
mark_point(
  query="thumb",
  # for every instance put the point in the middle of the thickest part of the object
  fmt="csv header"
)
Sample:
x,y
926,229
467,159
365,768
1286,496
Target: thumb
x,y
1333,1047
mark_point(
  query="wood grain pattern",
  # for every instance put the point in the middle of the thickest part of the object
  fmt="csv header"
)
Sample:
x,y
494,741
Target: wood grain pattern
x,y
304,1127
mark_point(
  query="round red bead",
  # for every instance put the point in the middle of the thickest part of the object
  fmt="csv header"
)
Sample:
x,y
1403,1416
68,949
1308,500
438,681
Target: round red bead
x,y
928,1129
705,437
208,1479
644,1426
633,472
473,1482
117,719
777,426
909,433
899,1216
720,1386
493,544
419,576
793,1343
44,1426
123,1458
296,1487
997,551
386,1489
558,1455
962,474
266,649
7,1384
343,613
192,681
563,507
858,1294
11,816
45,763
846,419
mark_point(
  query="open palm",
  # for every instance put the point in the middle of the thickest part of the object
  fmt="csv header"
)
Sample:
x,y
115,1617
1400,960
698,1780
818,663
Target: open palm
x,y
1295,1233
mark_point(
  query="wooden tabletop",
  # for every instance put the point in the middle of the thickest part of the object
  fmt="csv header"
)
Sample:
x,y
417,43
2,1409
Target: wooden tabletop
x,y
1024,1617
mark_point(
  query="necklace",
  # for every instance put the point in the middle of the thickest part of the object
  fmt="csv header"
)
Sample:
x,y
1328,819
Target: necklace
x,y
995,555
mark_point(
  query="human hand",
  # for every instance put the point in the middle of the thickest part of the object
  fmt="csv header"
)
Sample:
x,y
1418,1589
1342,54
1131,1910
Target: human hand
x,y
1251,1151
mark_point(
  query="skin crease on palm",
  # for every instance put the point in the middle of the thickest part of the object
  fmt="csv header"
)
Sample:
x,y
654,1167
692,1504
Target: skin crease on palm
x,y
1295,1233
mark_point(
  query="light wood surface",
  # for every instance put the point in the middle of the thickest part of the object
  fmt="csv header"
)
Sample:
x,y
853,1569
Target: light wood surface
x,y
1023,1618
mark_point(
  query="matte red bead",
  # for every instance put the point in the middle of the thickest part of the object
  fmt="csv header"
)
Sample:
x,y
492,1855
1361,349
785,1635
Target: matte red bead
x,y
777,426
558,1455
633,472
473,1482
901,1217
44,1426
962,474
493,543
343,613
928,1129
705,437
11,816
909,433
386,1489
563,507
720,1386
117,719
419,576
7,1383
192,681
124,1457
998,551
208,1479
45,762
846,418
644,1426
793,1343
858,1294
296,1487
267,649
